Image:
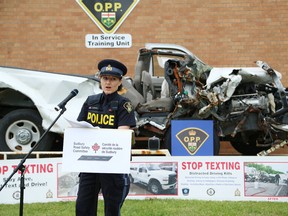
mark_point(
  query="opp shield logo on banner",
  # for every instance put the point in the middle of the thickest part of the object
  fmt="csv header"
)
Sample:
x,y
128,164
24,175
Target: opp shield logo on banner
x,y
108,15
192,137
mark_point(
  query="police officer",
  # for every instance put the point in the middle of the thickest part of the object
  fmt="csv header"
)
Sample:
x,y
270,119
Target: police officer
x,y
105,110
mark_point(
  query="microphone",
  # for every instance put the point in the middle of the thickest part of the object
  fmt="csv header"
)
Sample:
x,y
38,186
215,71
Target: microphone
x,y
69,97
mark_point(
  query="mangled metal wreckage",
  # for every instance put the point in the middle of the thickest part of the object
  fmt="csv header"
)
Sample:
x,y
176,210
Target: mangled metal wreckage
x,y
247,105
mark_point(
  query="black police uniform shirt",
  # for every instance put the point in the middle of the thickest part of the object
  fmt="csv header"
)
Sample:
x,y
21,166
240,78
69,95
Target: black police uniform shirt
x,y
107,111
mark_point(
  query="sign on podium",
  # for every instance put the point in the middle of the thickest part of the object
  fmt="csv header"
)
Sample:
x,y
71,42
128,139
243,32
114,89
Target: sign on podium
x,y
97,150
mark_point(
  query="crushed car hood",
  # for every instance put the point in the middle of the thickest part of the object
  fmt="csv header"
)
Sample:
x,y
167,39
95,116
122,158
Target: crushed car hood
x,y
47,90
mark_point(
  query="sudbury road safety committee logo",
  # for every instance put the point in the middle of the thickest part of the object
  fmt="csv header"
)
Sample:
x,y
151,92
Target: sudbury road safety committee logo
x,y
108,15
192,139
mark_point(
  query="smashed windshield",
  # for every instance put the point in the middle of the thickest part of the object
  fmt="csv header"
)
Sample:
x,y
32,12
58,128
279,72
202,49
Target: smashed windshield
x,y
161,57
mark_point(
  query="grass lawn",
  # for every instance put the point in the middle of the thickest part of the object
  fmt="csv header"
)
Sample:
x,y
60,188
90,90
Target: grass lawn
x,y
159,207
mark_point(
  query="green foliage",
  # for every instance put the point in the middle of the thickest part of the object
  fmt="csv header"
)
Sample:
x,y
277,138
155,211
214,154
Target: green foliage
x,y
159,207
262,167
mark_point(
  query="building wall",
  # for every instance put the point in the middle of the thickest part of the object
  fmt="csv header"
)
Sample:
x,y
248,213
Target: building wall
x,y
50,35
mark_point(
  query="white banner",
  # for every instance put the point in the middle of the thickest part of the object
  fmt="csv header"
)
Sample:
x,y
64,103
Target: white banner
x,y
40,179
97,150
204,178
108,41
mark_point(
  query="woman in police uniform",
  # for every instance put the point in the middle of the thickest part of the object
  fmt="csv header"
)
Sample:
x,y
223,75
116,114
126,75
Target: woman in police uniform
x,y
105,110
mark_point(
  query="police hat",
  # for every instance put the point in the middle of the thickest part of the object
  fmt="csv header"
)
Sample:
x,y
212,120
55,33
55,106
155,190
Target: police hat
x,y
112,67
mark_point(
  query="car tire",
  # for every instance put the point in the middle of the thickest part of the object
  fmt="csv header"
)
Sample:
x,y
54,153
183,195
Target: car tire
x,y
249,147
20,131
154,187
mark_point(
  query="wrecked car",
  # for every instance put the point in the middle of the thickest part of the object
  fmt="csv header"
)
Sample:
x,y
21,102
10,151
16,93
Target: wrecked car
x,y
248,105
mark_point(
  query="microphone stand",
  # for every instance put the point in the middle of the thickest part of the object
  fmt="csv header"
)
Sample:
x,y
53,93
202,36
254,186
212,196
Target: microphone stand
x,y
21,167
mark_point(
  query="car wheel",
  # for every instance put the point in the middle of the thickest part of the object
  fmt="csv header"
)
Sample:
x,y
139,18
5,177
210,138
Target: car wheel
x,y
155,187
21,129
249,147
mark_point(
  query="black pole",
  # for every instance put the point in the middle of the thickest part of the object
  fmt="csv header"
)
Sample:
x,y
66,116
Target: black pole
x,y
22,187
21,166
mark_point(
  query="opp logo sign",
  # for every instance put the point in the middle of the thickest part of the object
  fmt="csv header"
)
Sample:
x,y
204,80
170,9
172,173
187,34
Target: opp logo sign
x,y
108,15
192,139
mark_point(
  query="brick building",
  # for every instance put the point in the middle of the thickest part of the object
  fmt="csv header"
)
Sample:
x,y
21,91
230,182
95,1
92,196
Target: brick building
x,y
50,35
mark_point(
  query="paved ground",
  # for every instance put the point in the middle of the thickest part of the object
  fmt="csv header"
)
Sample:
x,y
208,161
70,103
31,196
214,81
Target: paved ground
x,y
265,189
